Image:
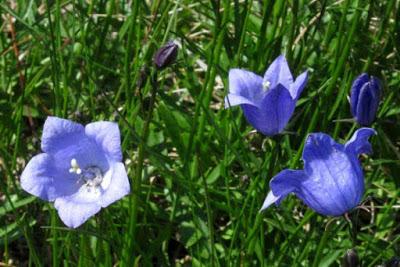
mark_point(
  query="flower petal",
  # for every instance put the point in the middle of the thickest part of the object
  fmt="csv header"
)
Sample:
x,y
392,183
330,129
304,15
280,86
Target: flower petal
x,y
41,178
118,187
60,133
234,100
85,151
335,182
245,84
359,142
107,136
269,200
74,214
355,92
376,86
368,102
278,72
285,182
297,87
274,112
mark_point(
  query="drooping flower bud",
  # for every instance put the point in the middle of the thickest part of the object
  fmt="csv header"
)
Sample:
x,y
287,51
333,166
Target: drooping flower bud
x,y
166,55
364,99
350,259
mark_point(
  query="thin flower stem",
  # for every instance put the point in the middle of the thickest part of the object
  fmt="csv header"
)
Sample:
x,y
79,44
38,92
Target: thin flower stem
x,y
54,245
137,182
353,223
273,158
209,221
321,246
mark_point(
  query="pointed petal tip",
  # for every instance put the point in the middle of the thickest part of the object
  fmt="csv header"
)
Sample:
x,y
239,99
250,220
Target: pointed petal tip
x,y
232,100
269,200
297,87
278,72
368,130
359,143
226,102
281,57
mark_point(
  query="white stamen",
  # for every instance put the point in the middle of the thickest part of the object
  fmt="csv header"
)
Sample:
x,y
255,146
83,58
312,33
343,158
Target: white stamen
x,y
92,176
266,85
75,167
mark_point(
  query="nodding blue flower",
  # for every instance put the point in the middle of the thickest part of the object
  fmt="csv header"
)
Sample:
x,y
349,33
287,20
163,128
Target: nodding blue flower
x,y
80,169
268,102
332,182
364,98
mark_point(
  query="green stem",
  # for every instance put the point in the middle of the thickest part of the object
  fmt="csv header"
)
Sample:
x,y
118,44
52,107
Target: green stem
x,y
54,245
273,159
209,221
137,181
321,247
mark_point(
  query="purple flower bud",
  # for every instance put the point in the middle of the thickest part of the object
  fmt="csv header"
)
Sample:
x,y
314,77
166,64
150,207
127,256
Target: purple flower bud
x,y
350,259
364,99
166,55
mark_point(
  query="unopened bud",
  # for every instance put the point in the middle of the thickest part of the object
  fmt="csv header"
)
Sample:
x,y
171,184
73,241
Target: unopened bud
x,y
166,55
364,99
350,259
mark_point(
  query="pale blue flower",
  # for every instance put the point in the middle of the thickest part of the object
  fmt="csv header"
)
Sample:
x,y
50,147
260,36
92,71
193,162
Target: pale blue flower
x,y
81,169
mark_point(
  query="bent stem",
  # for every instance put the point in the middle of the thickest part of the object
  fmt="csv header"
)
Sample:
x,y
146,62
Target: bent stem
x,y
137,181
352,223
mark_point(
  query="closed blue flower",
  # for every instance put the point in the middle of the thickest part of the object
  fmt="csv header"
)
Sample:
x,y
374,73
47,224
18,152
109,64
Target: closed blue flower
x,y
364,98
80,169
332,182
268,102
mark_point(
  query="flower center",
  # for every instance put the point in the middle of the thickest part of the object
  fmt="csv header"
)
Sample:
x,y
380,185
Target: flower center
x,y
266,85
91,176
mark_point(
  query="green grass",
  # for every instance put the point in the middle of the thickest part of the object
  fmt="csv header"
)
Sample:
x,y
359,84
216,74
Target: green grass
x,y
198,172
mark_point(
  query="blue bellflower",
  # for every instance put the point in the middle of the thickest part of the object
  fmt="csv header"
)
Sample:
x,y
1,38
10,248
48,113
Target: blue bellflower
x,y
332,182
80,169
364,98
268,102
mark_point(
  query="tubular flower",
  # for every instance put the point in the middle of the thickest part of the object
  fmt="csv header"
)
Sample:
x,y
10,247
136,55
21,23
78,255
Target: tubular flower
x,y
364,98
80,169
332,182
268,102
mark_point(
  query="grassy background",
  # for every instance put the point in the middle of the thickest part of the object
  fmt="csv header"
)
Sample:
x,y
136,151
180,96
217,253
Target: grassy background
x,y
203,173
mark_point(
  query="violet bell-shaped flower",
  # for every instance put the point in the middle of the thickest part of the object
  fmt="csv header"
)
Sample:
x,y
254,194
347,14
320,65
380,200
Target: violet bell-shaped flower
x,y
80,169
268,102
364,98
332,182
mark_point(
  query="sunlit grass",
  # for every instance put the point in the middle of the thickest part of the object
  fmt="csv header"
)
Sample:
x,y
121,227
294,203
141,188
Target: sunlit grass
x,y
204,173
